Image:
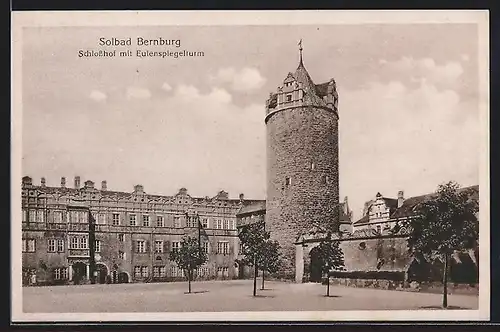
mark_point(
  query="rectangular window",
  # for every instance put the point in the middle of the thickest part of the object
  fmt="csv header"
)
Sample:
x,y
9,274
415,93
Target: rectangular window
x,y
218,224
175,271
116,219
225,271
121,237
226,224
159,271
32,216
206,247
176,246
100,218
145,220
74,243
58,217
202,271
231,224
177,222
204,222
121,255
40,216
57,274
242,248
141,246
31,245
24,245
158,246
223,247
144,271
25,216
51,245
137,271
97,245
159,221
133,220
64,273
83,243
289,98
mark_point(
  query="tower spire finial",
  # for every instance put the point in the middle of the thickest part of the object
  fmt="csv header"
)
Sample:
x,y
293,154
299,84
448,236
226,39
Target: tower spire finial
x,y
300,50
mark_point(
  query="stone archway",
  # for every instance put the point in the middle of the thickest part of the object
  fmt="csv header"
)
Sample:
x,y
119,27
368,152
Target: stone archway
x,y
123,278
316,266
79,272
102,273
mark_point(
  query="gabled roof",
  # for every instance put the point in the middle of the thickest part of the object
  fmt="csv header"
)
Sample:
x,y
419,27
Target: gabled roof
x,y
411,203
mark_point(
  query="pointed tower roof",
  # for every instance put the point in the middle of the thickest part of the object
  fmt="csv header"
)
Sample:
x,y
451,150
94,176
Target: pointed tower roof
x,y
301,74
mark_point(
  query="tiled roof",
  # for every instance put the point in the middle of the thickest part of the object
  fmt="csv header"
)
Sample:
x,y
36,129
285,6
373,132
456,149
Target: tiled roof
x,y
410,203
252,207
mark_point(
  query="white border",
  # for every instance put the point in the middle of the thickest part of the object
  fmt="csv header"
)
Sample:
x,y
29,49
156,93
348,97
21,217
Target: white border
x,y
223,18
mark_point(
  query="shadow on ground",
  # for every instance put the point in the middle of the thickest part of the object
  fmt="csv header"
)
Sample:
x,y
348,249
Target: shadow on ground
x,y
451,307
331,295
197,292
264,296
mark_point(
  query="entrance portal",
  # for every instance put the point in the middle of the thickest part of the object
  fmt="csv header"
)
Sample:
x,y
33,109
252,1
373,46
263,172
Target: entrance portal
x,y
316,266
122,278
102,273
79,272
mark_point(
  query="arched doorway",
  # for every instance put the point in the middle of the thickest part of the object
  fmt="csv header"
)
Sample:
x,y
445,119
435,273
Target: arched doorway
x,y
122,277
79,272
102,272
315,268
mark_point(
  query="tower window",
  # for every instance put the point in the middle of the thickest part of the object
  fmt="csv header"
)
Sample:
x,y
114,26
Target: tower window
x,y
288,181
288,97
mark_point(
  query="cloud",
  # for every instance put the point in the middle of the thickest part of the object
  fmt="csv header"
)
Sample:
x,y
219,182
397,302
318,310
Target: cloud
x,y
138,93
445,74
412,138
97,95
166,87
245,79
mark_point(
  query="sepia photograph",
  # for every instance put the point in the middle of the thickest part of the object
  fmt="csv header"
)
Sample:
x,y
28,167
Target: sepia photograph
x,y
250,166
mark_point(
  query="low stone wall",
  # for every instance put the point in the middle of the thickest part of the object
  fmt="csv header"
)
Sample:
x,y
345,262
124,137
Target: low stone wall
x,y
414,286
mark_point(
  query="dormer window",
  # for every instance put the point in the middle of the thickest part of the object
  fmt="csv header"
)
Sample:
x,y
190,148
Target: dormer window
x,y
289,98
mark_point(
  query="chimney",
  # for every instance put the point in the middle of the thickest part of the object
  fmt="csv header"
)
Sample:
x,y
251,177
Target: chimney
x,y
138,188
77,182
401,198
27,181
346,206
104,185
242,197
89,184
63,182
42,182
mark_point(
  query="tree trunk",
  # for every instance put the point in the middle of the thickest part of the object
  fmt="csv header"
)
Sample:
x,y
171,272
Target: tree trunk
x,y
256,271
327,285
263,272
445,282
189,281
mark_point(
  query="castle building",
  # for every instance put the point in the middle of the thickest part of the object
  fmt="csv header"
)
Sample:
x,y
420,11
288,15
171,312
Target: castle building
x,y
85,234
302,160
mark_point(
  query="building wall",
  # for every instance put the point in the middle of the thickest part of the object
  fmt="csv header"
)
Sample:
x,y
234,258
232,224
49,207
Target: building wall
x,y
102,205
302,145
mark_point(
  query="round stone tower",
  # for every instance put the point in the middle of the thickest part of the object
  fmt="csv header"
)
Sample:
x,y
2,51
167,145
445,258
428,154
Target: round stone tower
x,y
302,161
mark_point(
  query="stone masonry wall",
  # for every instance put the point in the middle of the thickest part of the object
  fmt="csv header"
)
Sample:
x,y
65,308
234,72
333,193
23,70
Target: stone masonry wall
x,y
302,145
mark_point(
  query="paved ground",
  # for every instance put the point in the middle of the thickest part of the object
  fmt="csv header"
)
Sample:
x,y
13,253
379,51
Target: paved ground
x,y
227,296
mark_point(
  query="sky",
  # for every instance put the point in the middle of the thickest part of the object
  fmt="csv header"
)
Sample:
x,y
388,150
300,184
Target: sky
x,y
408,106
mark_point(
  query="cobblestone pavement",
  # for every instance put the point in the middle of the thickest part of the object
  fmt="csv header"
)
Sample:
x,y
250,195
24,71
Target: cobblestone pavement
x,y
236,295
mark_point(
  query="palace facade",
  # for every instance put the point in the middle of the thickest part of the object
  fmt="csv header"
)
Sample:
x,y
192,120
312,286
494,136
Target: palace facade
x,y
87,235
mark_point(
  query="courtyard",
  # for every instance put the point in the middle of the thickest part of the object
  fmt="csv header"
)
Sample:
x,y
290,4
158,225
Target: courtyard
x,y
236,295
